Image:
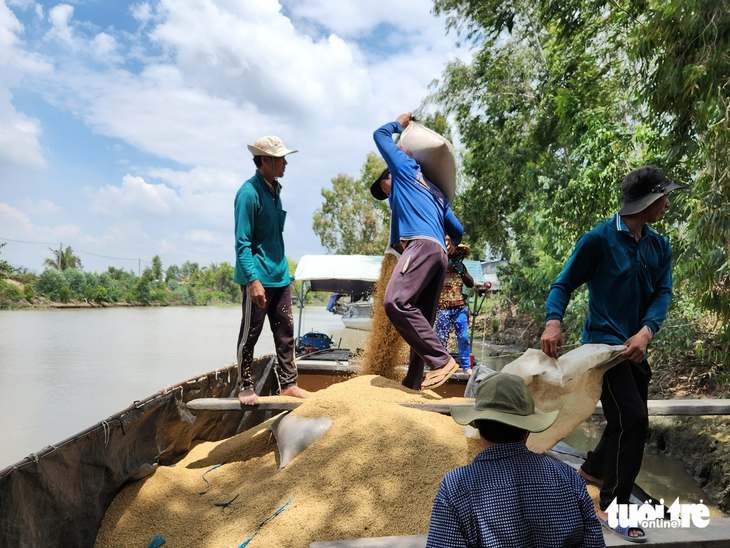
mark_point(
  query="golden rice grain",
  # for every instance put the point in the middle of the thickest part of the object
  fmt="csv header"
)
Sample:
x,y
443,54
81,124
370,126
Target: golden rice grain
x,y
373,473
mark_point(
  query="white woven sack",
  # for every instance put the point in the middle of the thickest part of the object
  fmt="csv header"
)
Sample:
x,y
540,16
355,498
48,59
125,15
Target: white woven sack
x,y
571,384
433,153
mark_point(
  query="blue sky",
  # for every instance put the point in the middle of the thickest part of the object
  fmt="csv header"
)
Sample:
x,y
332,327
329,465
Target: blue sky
x,y
123,125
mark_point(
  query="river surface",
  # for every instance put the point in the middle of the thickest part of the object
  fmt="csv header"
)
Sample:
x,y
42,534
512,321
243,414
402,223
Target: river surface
x,y
62,371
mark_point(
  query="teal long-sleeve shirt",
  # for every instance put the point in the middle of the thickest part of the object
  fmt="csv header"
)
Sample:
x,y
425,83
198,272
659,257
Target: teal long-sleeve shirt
x,y
629,282
259,221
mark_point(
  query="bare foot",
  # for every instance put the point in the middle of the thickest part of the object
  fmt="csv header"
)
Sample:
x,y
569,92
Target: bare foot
x,y
588,478
294,391
248,397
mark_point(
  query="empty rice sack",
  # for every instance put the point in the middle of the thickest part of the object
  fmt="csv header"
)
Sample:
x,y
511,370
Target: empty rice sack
x,y
294,434
571,384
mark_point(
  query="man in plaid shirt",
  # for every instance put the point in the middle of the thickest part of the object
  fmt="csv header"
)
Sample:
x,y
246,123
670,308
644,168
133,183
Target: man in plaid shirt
x,y
510,497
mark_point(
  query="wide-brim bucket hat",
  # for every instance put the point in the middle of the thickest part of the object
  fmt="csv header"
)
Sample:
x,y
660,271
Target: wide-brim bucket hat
x,y
505,398
270,145
642,187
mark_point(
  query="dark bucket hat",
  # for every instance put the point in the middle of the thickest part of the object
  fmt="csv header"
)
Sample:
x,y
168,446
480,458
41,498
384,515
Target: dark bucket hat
x,y
375,189
642,187
505,398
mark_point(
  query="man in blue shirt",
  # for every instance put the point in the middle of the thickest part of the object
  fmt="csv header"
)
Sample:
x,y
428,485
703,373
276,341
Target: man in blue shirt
x,y
510,497
628,269
420,215
262,269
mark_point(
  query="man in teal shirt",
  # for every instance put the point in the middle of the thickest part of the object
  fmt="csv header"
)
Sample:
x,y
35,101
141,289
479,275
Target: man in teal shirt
x,y
262,270
627,267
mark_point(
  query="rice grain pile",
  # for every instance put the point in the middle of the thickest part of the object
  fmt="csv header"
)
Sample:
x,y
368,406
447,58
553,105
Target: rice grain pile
x,y
386,351
374,473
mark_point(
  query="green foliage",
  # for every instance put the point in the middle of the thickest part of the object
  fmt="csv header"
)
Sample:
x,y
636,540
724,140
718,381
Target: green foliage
x,y
560,101
157,267
75,281
63,259
28,293
64,294
96,293
350,220
173,273
5,269
9,294
49,284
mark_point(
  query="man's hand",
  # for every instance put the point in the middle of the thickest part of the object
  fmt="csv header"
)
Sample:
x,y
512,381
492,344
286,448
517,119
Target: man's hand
x,y
552,338
257,293
636,345
404,119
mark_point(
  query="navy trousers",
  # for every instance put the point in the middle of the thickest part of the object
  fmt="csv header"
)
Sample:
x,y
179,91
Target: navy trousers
x,y
617,457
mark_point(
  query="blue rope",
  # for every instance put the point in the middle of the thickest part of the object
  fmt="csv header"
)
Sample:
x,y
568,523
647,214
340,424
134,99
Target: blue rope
x,y
207,483
158,541
279,511
225,505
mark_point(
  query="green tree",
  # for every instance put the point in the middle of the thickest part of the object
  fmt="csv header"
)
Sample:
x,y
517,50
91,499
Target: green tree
x,y
682,49
350,221
5,268
63,259
549,128
173,273
49,284
157,268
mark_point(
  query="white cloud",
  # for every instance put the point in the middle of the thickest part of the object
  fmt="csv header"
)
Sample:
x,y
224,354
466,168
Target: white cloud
x,y
134,198
355,19
19,133
192,85
43,207
204,236
104,47
16,224
60,16
141,12
200,179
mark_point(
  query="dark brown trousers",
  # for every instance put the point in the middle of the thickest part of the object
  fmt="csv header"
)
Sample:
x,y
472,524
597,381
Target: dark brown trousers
x,y
278,310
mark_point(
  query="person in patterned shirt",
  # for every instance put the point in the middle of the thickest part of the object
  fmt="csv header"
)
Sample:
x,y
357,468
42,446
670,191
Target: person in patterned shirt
x,y
510,497
453,311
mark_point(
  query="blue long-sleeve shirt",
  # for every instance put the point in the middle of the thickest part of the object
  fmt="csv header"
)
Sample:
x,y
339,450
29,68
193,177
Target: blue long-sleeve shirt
x,y
420,209
510,497
259,221
629,282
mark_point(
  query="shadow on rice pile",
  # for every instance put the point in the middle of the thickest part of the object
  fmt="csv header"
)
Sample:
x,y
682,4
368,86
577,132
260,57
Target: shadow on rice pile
x,y
373,472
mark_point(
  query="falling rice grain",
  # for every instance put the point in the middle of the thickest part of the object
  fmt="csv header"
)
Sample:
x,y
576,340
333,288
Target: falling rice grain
x,y
386,351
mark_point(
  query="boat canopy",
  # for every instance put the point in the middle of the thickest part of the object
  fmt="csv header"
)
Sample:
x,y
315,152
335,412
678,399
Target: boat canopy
x,y
348,274
475,269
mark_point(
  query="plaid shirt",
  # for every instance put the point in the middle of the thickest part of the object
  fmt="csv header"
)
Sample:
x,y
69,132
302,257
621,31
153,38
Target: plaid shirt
x,y
510,497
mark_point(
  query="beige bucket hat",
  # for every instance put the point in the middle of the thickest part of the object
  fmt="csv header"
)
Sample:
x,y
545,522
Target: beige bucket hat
x,y
270,145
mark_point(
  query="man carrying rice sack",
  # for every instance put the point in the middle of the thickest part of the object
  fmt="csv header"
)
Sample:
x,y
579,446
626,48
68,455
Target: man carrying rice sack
x,y
421,214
